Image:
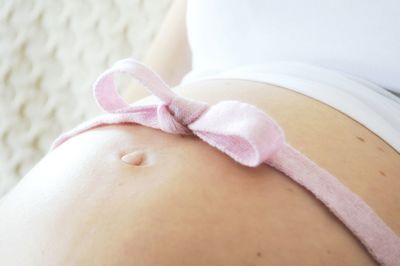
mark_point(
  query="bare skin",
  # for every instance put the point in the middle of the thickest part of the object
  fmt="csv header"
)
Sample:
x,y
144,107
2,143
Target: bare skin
x,y
178,201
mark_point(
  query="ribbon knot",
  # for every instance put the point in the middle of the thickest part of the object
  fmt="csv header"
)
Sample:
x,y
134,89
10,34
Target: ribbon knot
x,y
180,112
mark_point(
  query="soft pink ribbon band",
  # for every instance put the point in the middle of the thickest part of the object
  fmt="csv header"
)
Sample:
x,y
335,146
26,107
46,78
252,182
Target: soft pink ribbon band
x,y
246,134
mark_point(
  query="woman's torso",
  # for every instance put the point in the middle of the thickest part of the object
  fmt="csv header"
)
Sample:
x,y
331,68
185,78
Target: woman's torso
x,y
192,205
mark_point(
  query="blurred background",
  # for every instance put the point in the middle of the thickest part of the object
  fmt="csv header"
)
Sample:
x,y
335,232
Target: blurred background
x,y
50,54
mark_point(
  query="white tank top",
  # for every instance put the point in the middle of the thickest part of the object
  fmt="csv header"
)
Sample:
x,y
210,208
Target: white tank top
x,y
359,37
299,43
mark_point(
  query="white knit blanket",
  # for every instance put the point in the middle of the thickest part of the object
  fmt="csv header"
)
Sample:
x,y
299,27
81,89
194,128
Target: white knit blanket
x,y
50,53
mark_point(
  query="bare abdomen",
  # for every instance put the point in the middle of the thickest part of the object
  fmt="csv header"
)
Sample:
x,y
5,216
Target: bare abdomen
x,y
189,204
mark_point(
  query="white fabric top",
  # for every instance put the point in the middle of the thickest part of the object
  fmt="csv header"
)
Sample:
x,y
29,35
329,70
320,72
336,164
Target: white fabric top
x,y
343,52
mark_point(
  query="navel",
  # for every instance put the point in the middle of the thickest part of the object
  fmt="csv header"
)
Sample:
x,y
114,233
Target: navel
x,y
136,158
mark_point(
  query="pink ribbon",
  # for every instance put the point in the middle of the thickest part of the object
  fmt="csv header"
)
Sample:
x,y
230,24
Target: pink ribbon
x,y
220,125
247,135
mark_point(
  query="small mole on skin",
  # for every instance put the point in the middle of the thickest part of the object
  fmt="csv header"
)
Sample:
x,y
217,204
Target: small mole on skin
x,y
328,251
381,149
382,173
259,254
360,139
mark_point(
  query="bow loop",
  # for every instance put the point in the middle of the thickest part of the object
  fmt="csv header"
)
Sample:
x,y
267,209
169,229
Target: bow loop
x,y
240,130
106,93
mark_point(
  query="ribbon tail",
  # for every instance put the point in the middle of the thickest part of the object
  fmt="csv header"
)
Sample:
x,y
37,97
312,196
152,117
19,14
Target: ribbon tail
x,y
143,115
380,241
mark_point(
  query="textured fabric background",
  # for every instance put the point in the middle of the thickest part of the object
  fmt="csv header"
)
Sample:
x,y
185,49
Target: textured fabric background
x,y
50,53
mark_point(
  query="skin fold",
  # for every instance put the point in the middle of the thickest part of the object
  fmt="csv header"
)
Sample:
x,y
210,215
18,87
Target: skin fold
x,y
131,195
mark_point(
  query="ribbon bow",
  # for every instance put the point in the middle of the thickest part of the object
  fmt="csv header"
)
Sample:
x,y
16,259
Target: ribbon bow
x,y
240,130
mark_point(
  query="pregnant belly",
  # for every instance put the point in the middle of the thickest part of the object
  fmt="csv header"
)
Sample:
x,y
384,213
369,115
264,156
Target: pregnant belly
x,y
185,203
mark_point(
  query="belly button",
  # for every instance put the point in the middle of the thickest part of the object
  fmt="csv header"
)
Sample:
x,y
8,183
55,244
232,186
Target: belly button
x,y
134,158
